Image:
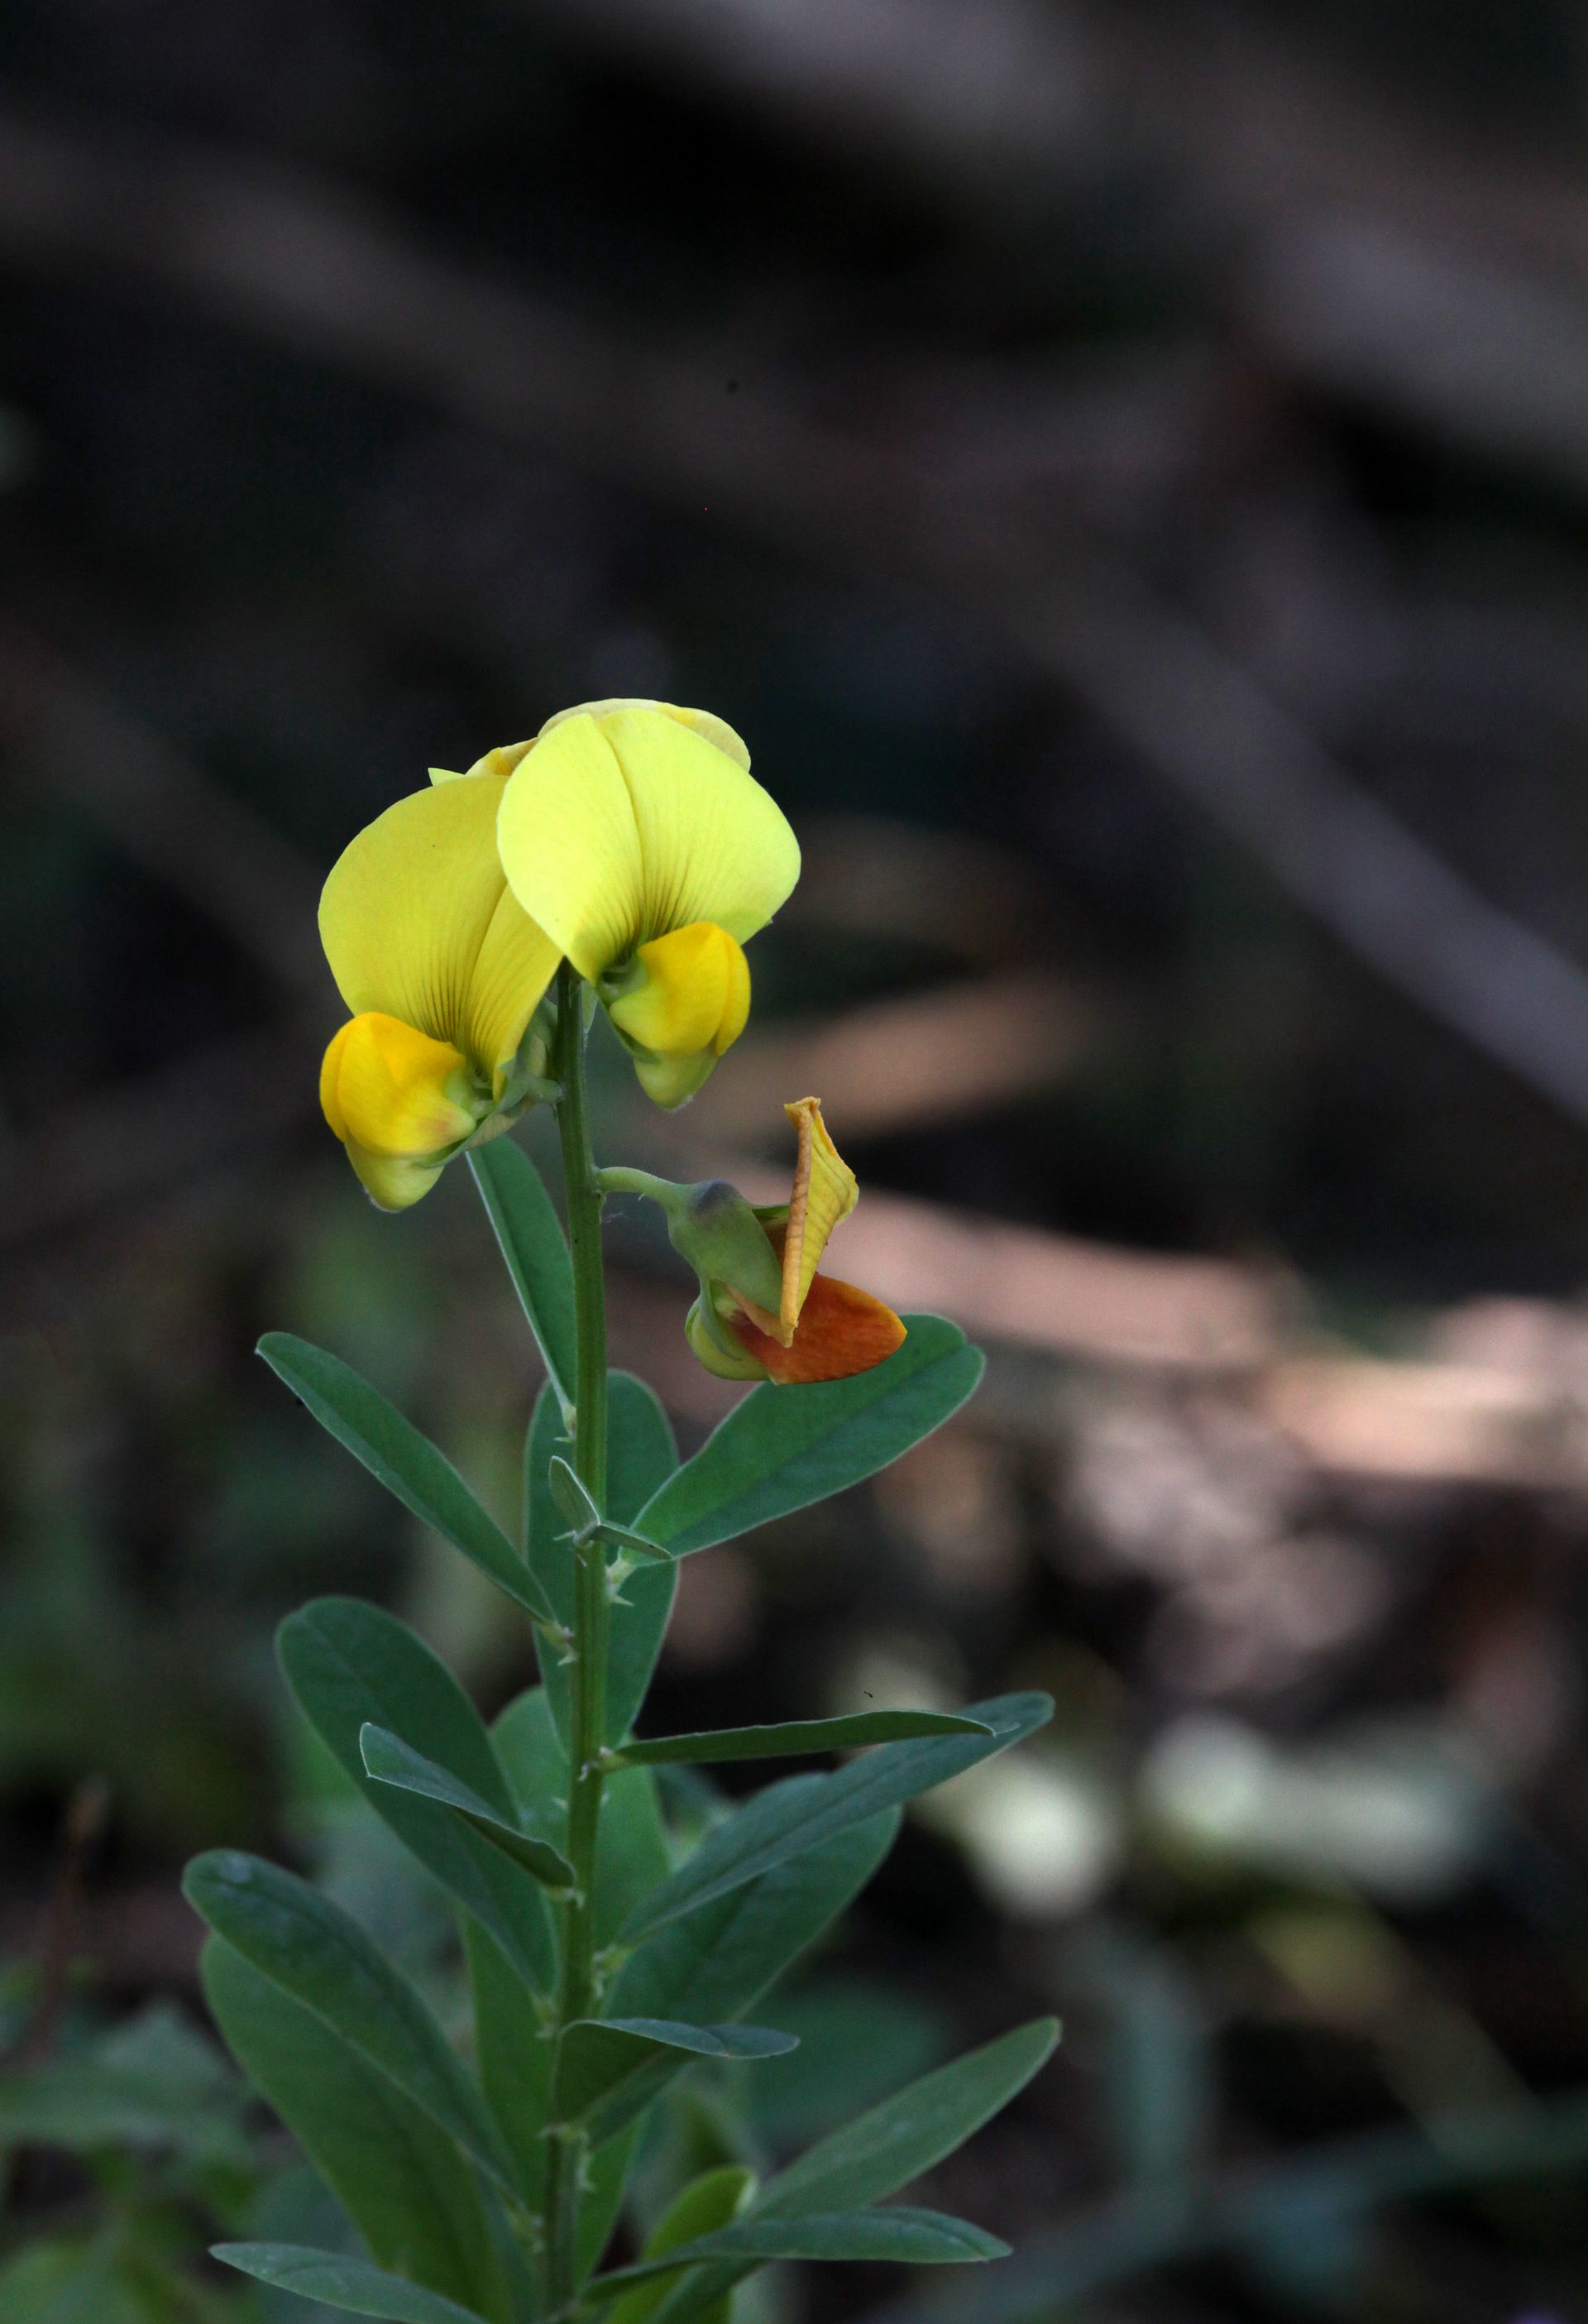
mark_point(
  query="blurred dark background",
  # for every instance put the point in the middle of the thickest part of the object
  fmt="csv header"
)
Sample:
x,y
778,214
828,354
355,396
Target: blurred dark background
x,y
1124,469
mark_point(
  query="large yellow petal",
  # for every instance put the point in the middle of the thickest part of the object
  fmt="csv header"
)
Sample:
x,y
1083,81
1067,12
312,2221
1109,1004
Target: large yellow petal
x,y
702,722
514,965
570,847
416,924
618,829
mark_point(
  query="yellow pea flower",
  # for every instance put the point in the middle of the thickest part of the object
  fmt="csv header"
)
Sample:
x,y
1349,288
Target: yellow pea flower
x,y
442,971
822,1329
634,834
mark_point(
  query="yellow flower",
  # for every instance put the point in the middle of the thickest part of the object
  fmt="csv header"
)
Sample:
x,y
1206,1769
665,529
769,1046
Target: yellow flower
x,y
822,1329
442,971
635,835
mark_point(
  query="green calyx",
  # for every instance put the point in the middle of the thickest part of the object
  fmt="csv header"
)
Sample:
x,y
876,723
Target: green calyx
x,y
715,1232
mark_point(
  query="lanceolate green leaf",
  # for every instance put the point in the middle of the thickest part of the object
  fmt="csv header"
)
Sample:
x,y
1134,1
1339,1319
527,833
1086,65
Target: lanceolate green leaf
x,y
795,1739
403,2182
388,1759
512,2058
606,2067
351,2285
407,1464
883,2150
319,1954
640,1457
790,1817
350,1665
710,2202
720,1960
923,2238
783,1448
535,1250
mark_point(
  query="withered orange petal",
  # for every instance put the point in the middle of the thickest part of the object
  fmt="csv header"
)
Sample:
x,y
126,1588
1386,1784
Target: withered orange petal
x,y
842,1330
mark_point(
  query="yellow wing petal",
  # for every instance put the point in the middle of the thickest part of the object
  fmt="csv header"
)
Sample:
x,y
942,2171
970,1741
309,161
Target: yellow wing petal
x,y
514,965
618,829
415,924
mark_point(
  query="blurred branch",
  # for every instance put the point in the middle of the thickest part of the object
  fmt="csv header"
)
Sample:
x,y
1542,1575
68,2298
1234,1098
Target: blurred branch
x,y
323,277
1381,250
72,745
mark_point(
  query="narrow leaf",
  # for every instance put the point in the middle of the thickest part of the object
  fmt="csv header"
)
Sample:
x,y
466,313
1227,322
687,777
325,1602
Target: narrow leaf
x,y
608,2067
406,1463
512,2061
536,1252
352,2284
319,1954
796,1739
790,1817
713,2200
403,2184
350,1665
883,2150
923,2238
389,1760
720,1960
783,1448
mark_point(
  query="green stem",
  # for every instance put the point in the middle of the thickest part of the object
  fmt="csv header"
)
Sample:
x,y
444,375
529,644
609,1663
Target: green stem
x,y
578,1995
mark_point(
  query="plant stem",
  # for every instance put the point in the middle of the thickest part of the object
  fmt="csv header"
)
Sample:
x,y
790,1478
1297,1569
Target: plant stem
x,y
586,1775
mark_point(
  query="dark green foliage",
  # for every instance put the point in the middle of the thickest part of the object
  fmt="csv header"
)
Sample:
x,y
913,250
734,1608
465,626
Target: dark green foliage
x,y
605,1961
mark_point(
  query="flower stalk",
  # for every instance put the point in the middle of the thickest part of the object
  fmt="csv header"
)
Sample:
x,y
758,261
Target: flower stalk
x,y
587,1430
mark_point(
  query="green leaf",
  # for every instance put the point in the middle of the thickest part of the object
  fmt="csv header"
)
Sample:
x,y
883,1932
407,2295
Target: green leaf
x,y
347,2283
713,2200
319,1955
640,1456
403,2182
535,1250
631,1855
783,1448
883,2150
350,1665
921,2238
512,2058
720,1960
388,1759
406,1463
796,1738
607,2069
790,1817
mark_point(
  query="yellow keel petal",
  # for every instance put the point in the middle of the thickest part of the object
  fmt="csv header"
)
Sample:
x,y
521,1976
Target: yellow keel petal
x,y
393,1090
